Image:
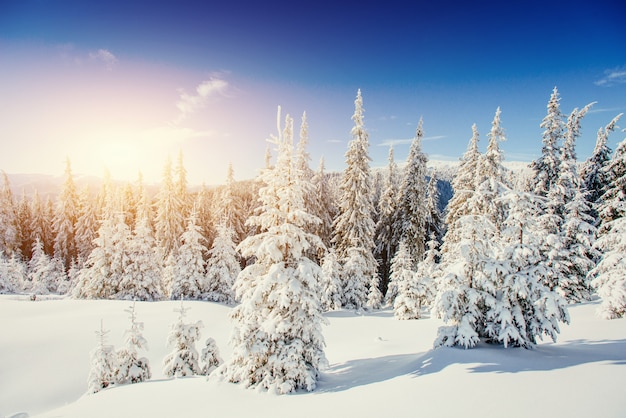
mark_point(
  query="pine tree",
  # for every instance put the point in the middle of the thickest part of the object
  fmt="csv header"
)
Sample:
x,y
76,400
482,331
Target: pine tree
x,y
277,338
102,372
210,358
593,171
388,227
326,206
86,226
183,360
9,232
169,221
223,267
434,221
43,272
190,269
519,307
354,227
130,368
413,198
331,281
67,213
464,185
230,210
608,276
24,220
142,279
461,295
546,167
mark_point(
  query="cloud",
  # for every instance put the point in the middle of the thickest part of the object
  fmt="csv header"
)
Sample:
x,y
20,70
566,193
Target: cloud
x,y
104,56
394,142
190,103
612,77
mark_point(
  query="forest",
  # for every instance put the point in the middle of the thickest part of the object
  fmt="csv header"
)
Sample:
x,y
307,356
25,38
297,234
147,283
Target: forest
x,y
499,260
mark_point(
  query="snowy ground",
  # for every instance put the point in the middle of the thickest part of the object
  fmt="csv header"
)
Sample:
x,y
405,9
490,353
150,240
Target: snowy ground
x,y
378,367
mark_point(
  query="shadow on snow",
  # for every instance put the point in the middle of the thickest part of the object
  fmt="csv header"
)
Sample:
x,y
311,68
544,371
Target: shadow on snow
x,y
484,358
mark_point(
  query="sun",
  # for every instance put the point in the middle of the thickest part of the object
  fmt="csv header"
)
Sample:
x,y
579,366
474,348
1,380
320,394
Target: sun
x,y
123,159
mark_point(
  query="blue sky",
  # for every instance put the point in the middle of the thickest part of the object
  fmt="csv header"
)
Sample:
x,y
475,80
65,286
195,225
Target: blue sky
x,y
124,85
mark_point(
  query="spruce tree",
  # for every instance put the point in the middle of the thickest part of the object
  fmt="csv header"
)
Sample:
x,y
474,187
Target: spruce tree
x,y
44,274
9,232
170,220
210,357
326,206
190,269
223,267
331,281
434,221
546,167
130,368
86,226
388,227
354,227
103,364
277,338
183,359
67,213
413,198
593,171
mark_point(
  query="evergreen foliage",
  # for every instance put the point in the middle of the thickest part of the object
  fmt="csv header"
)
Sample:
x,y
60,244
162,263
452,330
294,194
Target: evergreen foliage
x,y
183,359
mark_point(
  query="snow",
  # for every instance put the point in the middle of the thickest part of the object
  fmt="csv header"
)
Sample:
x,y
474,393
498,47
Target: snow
x,y
378,366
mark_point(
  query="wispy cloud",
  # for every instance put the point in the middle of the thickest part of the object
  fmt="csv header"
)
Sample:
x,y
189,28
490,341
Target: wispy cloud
x,y
105,56
394,142
612,77
605,109
190,103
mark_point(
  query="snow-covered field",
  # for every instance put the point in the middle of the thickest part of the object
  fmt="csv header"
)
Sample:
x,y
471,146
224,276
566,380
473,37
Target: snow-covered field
x,y
379,366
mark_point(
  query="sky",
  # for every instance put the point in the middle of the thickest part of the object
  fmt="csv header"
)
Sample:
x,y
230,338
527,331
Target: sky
x,y
124,86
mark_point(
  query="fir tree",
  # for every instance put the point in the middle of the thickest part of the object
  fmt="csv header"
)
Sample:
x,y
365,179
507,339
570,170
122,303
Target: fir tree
x,y
86,226
404,286
183,360
519,307
612,204
24,219
190,274
331,281
593,171
130,368
464,185
103,365
230,210
354,227
413,198
546,167
434,221
277,339
326,206
169,220
223,267
13,276
67,213
44,273
388,227
9,232
210,358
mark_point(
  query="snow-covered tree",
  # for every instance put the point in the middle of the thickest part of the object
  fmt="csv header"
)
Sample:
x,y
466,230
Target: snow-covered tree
x,y
67,213
9,233
593,171
388,227
13,276
130,368
223,267
44,273
613,199
608,276
190,280
428,271
412,200
103,364
354,227
210,358
519,307
180,186
464,185
86,225
434,221
24,216
170,219
277,338
142,279
331,281
326,209
183,359
407,294
230,210
546,167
